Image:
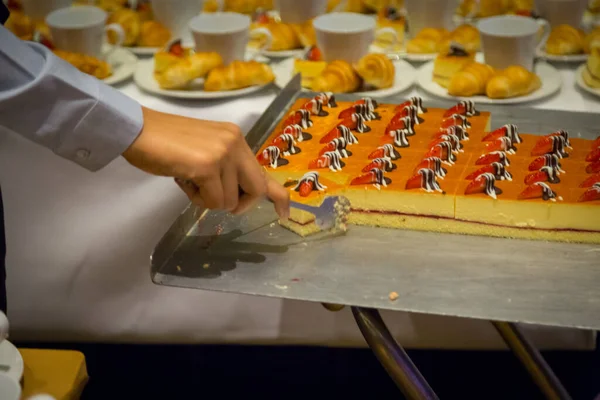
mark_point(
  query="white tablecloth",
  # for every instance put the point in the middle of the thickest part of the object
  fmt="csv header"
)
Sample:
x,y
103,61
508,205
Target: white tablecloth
x,y
79,246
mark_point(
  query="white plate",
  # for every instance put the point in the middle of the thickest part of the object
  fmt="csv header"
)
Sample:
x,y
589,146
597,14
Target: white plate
x,y
144,78
404,79
143,51
123,63
574,58
283,53
581,83
11,358
551,83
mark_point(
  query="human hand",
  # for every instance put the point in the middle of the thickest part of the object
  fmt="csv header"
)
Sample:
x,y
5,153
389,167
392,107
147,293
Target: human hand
x,y
214,156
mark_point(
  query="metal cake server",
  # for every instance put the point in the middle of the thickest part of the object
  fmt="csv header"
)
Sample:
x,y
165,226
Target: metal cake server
x,y
331,214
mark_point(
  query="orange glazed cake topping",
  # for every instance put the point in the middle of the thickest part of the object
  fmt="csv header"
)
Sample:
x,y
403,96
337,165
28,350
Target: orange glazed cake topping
x,y
412,167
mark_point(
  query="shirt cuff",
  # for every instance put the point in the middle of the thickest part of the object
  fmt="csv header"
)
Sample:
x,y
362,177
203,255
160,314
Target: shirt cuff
x,y
105,132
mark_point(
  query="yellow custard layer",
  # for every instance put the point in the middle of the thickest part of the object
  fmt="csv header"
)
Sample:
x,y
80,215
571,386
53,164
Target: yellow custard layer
x,y
393,205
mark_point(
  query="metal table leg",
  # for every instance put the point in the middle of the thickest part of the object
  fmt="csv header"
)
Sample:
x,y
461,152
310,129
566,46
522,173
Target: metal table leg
x,y
532,360
391,355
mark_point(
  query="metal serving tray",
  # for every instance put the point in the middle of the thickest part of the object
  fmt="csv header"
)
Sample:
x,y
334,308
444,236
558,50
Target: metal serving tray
x,y
545,283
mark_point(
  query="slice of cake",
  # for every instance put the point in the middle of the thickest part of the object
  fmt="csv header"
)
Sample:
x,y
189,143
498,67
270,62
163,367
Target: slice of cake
x,y
445,66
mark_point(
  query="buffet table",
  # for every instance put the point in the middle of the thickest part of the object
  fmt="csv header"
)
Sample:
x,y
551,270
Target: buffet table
x,y
79,246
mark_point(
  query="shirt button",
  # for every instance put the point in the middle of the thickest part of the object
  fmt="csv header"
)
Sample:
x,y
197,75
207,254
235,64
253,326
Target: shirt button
x,y
82,154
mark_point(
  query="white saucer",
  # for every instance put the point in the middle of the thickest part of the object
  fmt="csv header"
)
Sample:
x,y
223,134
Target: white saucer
x,y
551,83
144,78
581,83
123,63
573,58
11,362
404,79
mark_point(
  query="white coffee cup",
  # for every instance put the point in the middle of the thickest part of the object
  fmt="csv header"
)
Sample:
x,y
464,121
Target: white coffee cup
x,y
299,11
558,12
347,36
226,33
37,10
429,14
10,389
176,14
82,29
511,40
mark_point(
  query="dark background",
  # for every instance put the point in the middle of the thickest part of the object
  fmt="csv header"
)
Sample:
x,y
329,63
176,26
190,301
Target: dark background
x,y
235,372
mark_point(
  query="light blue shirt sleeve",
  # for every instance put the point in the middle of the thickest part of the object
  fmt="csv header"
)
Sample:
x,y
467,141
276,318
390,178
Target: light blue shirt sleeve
x,y
48,101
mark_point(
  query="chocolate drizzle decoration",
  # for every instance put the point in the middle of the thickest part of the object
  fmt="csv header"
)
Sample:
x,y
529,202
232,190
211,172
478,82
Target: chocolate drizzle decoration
x,y
547,192
490,185
428,182
400,139
347,134
312,177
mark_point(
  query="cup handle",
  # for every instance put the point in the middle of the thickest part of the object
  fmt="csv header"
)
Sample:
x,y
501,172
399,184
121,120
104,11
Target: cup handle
x,y
118,30
546,25
261,32
394,43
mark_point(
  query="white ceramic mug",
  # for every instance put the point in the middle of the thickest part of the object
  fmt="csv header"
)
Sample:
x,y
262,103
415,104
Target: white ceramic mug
x,y
176,14
37,10
347,36
429,14
299,11
226,33
511,40
558,12
10,389
82,29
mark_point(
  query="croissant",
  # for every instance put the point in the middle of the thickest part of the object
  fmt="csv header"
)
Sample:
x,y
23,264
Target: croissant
x,y
238,75
465,35
427,41
376,69
153,34
471,80
564,39
129,21
284,37
180,74
591,72
514,81
592,40
338,77
305,33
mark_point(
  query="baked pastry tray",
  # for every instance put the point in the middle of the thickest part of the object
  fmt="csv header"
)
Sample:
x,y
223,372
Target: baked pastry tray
x,y
546,283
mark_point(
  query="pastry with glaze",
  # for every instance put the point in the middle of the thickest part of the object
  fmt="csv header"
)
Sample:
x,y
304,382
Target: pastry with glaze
x,y
445,66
